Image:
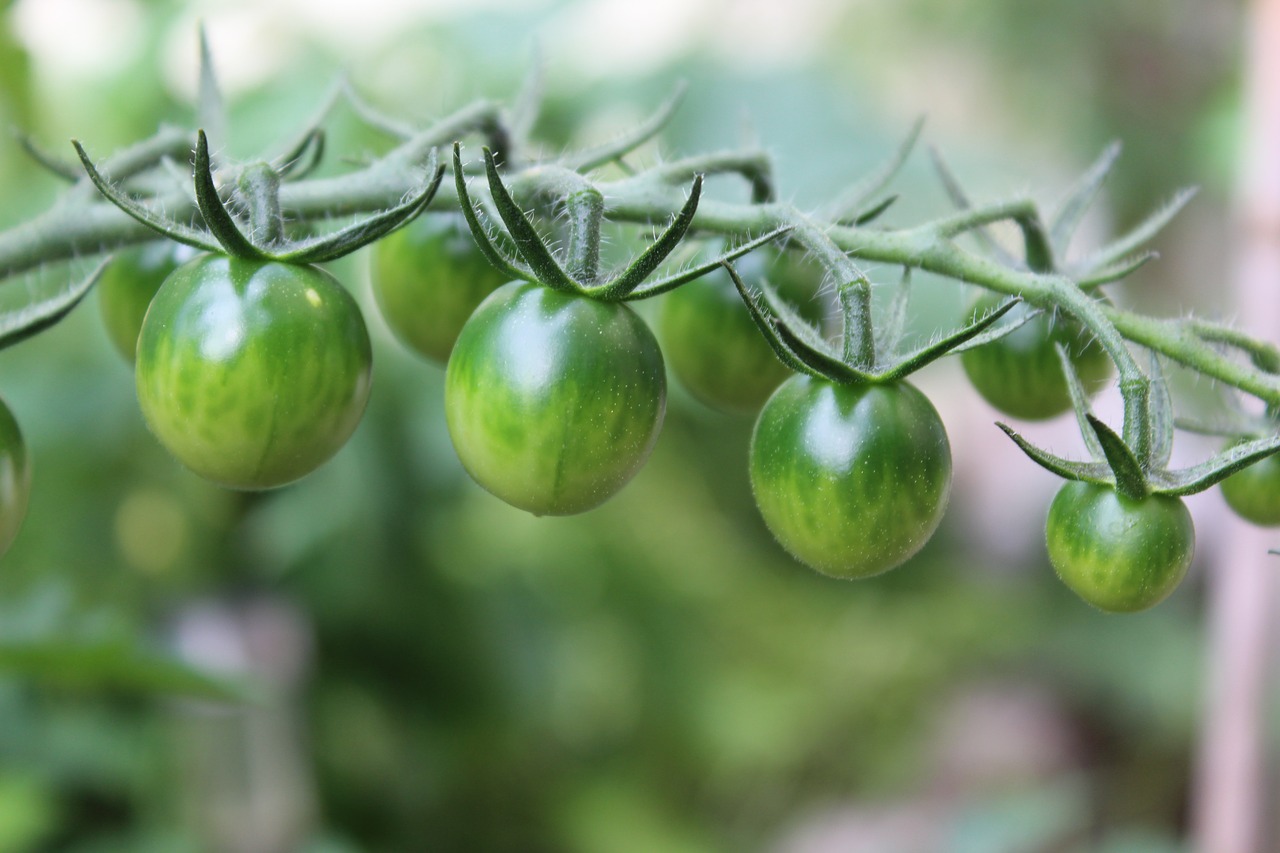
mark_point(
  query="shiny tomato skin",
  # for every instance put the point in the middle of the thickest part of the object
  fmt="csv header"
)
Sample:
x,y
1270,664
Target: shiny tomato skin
x,y
128,285
252,373
852,480
1020,374
553,400
1254,492
427,278
1119,554
710,342
15,478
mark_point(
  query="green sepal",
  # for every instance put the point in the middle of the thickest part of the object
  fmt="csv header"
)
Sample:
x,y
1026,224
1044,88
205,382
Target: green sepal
x,y
1070,213
484,240
951,184
1130,479
852,203
1079,404
1141,233
303,159
1088,472
767,327
671,282
995,333
165,227
800,328
375,118
591,158
1160,411
1189,481
216,216
21,323
211,110
649,260
873,213
367,230
890,329
51,163
930,353
821,361
1113,272
528,241
1217,430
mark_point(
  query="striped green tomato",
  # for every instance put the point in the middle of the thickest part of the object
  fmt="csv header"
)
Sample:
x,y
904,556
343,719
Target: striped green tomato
x,y
1117,553
252,373
851,479
553,400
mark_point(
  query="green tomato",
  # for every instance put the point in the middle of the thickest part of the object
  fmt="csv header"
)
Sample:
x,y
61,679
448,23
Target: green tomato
x,y
252,373
1254,493
1020,374
128,285
15,478
553,400
427,278
851,479
1119,554
713,346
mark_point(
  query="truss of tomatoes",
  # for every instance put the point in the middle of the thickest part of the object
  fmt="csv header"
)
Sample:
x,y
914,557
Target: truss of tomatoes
x,y
253,367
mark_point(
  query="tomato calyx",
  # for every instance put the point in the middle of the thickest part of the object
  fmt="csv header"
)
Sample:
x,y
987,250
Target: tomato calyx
x,y
1131,473
802,347
522,253
264,238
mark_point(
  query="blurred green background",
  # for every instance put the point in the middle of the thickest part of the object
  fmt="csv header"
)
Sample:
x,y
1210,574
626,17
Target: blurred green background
x,y
414,665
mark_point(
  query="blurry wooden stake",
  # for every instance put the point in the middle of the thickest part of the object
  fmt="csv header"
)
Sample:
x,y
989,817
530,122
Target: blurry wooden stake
x,y
1230,798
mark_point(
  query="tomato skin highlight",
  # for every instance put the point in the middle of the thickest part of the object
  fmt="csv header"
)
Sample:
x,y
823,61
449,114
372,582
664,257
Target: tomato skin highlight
x,y
1118,554
427,278
252,373
1020,374
1254,492
128,285
851,480
711,343
15,478
553,401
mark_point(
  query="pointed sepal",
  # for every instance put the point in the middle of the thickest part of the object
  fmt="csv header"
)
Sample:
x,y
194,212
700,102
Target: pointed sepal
x,y
945,345
1142,232
1189,481
1088,472
1080,404
1130,479
532,250
18,324
1070,213
216,216
484,240
649,260
671,282
765,323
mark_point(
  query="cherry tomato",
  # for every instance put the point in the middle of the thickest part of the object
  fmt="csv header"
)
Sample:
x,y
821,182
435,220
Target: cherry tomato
x,y
15,478
128,285
713,346
851,479
427,278
252,373
1254,493
1020,374
553,400
1119,554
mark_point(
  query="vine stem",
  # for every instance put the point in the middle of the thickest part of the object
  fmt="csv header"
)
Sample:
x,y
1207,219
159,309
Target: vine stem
x,y
1229,793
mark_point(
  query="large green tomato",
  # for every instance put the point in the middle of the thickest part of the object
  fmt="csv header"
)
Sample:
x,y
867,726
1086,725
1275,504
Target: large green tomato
x,y
1254,493
851,479
1020,374
1119,554
252,373
427,278
129,283
713,346
15,478
553,400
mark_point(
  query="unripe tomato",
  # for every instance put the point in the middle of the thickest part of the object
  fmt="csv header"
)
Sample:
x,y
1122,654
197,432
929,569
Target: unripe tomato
x,y
553,400
427,278
15,478
713,346
1119,554
1254,493
128,285
851,479
1021,375
252,373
